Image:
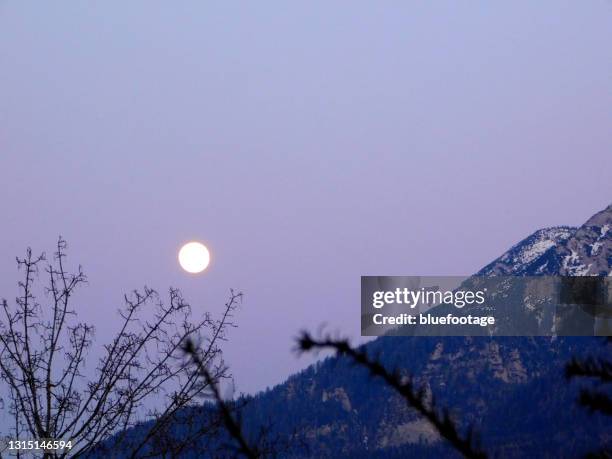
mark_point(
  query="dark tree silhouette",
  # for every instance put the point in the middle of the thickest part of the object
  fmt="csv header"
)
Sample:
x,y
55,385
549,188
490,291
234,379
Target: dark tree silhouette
x,y
405,386
141,375
595,398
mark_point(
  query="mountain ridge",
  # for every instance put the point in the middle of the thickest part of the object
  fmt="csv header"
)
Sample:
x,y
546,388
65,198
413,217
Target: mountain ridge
x,y
358,415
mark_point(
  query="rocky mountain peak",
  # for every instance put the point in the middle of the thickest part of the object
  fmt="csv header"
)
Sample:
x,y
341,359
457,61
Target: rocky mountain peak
x,y
589,251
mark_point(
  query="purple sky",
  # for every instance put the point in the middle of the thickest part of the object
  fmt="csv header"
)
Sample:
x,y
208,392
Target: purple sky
x,y
305,144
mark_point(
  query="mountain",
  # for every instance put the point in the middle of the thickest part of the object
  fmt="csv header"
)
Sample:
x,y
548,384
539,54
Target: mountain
x,y
511,389
564,252
589,251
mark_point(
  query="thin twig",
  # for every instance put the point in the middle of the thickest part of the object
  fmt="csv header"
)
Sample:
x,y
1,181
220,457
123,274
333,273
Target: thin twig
x,y
415,398
232,426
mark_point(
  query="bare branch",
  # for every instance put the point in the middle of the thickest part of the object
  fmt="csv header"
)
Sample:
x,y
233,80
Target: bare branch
x,y
441,421
231,425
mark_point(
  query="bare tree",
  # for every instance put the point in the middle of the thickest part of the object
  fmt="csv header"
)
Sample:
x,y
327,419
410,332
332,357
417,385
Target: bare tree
x,y
405,387
141,375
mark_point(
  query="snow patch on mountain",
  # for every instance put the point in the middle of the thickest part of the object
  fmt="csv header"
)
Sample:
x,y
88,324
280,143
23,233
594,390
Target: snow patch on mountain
x,y
564,250
522,255
589,251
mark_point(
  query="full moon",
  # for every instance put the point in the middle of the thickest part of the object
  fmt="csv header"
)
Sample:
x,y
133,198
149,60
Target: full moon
x,y
194,257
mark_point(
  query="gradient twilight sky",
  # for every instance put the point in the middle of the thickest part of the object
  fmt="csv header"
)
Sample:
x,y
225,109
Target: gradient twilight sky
x,y
305,143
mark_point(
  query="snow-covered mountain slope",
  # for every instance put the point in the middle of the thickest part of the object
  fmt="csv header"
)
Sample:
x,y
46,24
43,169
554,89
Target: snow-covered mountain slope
x,y
526,257
565,251
589,251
